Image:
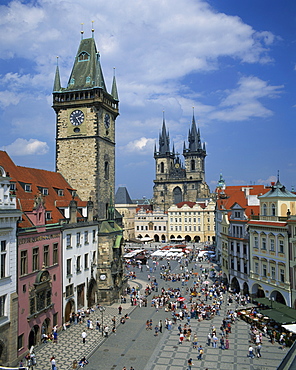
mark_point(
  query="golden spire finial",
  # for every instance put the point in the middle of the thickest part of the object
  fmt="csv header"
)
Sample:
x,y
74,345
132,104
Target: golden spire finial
x,y
82,32
92,28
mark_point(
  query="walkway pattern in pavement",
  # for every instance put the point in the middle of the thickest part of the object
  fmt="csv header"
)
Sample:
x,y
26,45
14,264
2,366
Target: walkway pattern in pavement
x,y
70,347
167,355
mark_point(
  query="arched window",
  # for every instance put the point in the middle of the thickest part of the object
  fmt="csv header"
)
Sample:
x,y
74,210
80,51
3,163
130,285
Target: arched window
x,y
177,193
273,209
161,167
192,165
264,209
106,171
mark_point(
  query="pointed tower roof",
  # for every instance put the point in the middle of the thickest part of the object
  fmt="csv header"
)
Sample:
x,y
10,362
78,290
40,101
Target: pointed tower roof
x,y
194,137
57,80
114,92
164,140
122,196
86,72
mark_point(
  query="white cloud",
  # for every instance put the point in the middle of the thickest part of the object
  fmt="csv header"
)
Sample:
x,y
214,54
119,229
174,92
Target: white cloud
x,y
140,146
22,147
244,102
268,180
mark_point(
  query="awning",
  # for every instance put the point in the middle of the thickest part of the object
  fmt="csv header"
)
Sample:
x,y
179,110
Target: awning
x,y
117,241
291,327
277,311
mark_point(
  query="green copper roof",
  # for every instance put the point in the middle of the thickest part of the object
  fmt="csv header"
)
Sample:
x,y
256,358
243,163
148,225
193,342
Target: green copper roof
x,y
87,71
114,92
278,191
57,80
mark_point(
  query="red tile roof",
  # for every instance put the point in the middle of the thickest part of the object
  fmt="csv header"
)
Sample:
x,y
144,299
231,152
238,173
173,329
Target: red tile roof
x,y
38,179
235,194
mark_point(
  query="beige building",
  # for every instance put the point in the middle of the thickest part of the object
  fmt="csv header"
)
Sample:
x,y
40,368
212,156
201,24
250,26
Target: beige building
x,y
192,221
270,254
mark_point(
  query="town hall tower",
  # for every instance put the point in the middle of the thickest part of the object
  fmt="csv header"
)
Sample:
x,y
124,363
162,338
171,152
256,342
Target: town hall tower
x,y
85,129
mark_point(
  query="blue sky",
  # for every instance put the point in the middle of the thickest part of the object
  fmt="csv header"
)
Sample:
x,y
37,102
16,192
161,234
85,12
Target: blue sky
x,y
233,61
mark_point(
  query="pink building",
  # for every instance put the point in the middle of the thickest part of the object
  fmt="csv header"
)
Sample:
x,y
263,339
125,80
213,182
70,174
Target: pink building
x,y
43,197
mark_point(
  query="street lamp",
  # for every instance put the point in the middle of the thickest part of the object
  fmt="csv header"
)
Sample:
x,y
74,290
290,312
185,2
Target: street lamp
x,y
102,309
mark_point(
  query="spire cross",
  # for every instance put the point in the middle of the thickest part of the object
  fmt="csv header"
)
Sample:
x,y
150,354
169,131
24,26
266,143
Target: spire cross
x,y
92,28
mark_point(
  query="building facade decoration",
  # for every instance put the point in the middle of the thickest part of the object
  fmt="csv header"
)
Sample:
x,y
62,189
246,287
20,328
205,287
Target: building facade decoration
x,y
270,254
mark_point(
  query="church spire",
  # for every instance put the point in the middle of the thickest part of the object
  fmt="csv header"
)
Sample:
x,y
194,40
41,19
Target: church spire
x,y
57,80
194,137
164,140
114,92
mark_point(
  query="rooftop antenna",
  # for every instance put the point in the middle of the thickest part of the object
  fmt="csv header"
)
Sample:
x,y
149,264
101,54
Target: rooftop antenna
x,y
92,29
82,32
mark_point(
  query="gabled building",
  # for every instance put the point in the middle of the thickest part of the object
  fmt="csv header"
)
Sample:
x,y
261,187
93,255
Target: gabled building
x,y
270,243
43,197
151,225
176,182
9,216
234,208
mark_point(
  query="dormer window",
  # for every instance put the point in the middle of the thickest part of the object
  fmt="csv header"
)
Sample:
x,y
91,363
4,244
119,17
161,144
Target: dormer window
x,y
45,191
28,188
72,81
12,186
87,80
84,56
60,192
48,215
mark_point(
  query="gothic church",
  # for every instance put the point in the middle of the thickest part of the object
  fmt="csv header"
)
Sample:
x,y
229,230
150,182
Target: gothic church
x,y
175,182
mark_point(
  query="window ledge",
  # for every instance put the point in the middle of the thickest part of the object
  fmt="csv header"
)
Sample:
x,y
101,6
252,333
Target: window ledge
x,y
45,309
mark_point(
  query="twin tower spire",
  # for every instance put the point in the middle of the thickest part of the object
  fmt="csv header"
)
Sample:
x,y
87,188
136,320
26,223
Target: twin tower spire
x,y
86,72
194,142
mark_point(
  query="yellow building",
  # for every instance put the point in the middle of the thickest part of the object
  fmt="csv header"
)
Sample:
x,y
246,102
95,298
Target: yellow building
x,y
192,221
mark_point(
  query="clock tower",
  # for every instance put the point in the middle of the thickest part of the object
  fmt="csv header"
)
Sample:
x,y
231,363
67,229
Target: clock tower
x,y
85,128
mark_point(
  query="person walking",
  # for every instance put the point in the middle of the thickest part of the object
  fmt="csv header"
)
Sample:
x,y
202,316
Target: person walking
x,y
189,362
226,343
156,329
160,326
83,336
119,310
181,338
200,352
53,363
251,352
258,350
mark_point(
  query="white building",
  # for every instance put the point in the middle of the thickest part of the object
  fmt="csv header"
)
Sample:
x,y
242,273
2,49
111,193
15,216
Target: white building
x,y
151,225
9,216
80,245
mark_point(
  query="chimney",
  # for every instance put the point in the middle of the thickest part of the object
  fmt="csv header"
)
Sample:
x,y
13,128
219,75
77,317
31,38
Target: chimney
x,y
90,210
73,212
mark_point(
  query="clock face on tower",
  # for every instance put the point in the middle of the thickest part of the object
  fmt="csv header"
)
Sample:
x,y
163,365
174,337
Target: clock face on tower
x,y
77,117
107,120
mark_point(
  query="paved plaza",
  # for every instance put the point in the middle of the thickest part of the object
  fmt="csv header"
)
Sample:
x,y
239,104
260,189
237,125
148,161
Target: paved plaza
x,y
134,346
